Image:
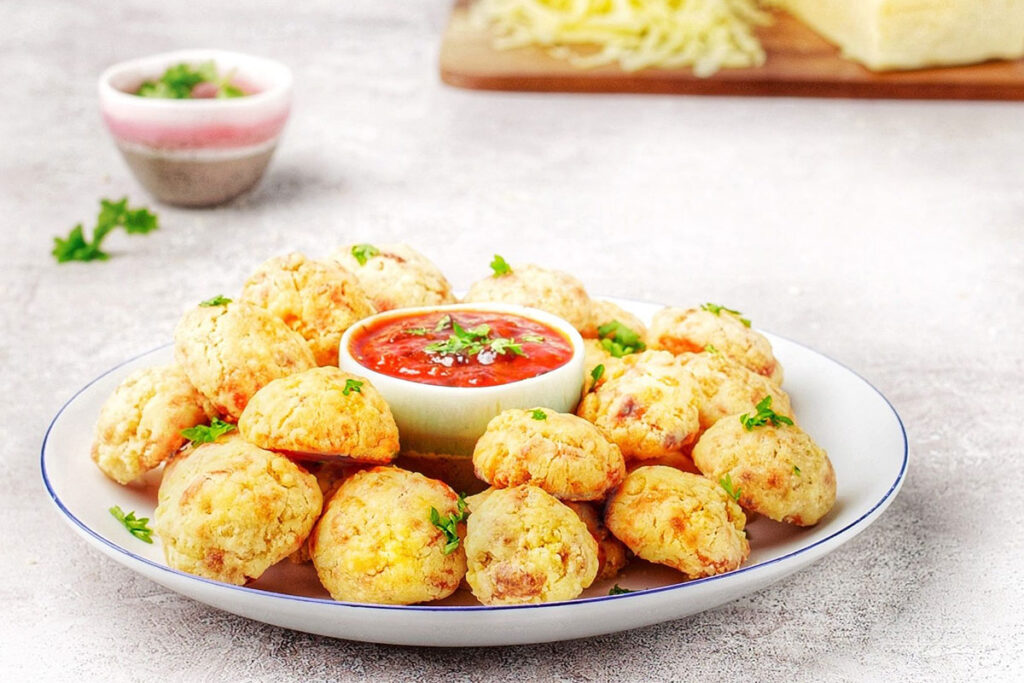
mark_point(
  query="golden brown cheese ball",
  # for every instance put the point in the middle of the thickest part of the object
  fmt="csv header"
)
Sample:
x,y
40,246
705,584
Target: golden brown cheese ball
x,y
396,275
777,471
612,555
678,519
140,424
553,291
646,405
524,546
228,510
317,299
563,454
694,330
604,312
323,412
231,351
729,388
375,542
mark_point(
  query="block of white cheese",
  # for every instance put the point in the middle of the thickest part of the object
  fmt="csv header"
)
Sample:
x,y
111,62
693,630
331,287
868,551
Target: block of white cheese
x,y
912,34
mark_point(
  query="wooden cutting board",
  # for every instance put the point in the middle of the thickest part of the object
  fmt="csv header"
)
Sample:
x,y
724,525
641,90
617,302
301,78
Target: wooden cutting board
x,y
800,64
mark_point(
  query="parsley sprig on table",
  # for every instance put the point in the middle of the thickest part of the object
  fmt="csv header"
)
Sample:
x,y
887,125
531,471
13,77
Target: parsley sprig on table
x,y
763,416
449,525
619,340
207,433
717,310
178,81
136,526
76,247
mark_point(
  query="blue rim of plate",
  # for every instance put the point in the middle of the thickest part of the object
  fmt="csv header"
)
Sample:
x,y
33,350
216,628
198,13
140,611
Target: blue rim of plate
x,y
257,593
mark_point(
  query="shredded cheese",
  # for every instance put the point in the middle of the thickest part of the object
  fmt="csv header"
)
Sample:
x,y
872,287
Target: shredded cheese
x,y
706,35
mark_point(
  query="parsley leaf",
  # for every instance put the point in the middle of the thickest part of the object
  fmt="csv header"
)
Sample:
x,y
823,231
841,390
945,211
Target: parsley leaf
x,y
597,373
449,525
416,331
178,81
619,340
763,416
500,266
532,338
717,310
219,300
443,323
364,252
506,345
472,342
618,590
796,470
352,385
208,433
726,483
538,414
75,247
136,526
710,348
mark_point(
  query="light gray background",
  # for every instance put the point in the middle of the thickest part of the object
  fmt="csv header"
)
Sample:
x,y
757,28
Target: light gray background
x,y
885,234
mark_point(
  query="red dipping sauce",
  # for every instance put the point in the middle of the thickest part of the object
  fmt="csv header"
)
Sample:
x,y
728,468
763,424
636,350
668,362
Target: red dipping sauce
x,y
461,348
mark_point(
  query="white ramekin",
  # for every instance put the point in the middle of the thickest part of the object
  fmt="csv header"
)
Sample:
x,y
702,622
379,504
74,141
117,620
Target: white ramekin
x,y
437,419
197,152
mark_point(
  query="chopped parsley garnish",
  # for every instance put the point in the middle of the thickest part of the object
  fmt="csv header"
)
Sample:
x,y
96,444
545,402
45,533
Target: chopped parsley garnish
x,y
710,348
136,526
352,385
796,470
619,340
178,82
726,483
444,323
218,300
207,433
717,310
597,373
364,252
416,331
449,525
538,414
763,416
500,266
75,247
532,338
618,590
472,342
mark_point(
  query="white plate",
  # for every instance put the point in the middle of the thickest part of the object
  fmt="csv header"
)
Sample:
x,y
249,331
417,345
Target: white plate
x,y
869,454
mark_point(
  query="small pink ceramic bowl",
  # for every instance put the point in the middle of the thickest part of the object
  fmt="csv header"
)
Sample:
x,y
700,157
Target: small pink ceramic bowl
x,y
197,152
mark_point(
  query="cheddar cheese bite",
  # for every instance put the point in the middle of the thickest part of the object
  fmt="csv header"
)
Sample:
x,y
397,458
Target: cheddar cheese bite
x,y
612,555
645,404
228,510
562,454
775,469
140,424
376,542
549,290
395,275
317,299
728,388
713,327
322,412
678,519
524,546
229,351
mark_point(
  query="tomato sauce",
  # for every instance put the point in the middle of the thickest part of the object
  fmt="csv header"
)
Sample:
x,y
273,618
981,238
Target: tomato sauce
x,y
463,348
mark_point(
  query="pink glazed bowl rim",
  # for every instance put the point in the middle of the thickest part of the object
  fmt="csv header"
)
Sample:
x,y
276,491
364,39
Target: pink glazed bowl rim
x,y
273,79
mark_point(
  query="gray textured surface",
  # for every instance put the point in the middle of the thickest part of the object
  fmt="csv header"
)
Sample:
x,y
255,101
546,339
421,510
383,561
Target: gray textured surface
x,y
888,235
